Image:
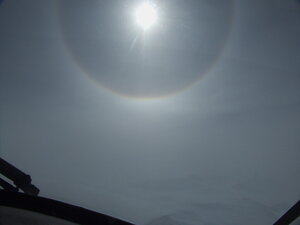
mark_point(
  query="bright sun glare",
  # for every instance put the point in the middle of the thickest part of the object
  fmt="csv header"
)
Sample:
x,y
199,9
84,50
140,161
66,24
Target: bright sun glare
x,y
146,15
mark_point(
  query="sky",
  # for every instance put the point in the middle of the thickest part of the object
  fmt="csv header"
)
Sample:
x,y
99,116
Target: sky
x,y
193,121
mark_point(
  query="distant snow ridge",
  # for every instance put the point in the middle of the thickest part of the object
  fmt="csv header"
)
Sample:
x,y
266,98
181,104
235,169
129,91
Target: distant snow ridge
x,y
220,214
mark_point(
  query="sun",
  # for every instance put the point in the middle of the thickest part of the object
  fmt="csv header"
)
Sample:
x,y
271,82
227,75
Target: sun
x,y
146,15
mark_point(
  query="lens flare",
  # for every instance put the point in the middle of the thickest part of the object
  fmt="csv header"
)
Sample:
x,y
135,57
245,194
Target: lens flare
x,y
146,15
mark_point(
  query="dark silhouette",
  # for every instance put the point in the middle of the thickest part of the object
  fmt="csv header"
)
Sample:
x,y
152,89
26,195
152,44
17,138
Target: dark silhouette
x,y
291,215
21,180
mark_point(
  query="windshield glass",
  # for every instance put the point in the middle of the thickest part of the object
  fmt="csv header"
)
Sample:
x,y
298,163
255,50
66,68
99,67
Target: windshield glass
x,y
155,111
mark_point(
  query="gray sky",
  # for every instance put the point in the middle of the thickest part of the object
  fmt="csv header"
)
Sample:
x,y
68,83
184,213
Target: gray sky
x,y
195,122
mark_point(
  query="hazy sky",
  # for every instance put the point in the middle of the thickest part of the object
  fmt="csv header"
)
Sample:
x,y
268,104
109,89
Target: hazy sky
x,y
194,121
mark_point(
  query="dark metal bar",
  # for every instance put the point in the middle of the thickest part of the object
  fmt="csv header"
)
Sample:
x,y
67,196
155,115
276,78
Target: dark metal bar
x,y
20,179
7,186
292,214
